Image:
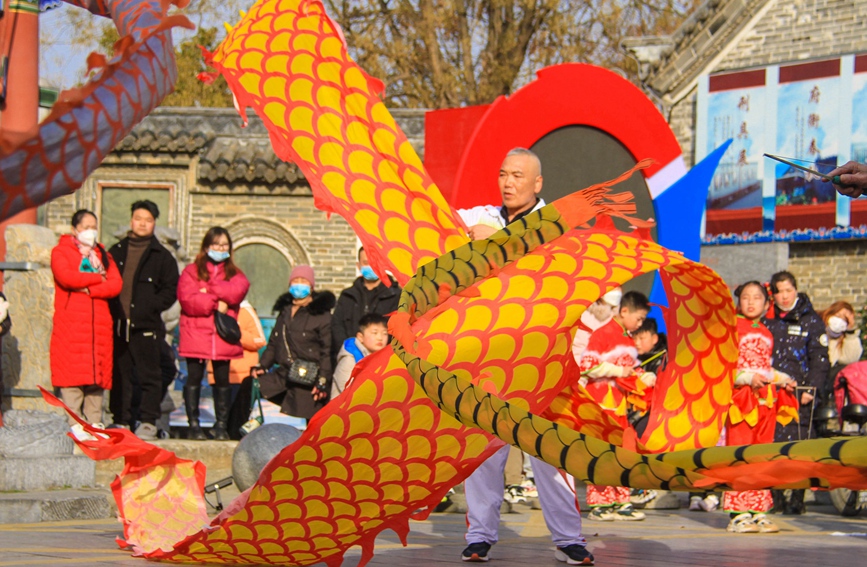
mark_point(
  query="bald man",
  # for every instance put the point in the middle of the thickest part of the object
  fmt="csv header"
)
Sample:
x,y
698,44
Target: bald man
x,y
520,184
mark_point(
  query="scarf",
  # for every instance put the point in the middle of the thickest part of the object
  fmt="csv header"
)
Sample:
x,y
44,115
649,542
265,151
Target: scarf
x,y
90,259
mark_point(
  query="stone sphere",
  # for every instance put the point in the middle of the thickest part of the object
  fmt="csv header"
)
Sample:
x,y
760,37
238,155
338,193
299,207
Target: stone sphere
x,y
257,448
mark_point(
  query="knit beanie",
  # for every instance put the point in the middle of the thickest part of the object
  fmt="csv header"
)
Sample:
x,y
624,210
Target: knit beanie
x,y
303,271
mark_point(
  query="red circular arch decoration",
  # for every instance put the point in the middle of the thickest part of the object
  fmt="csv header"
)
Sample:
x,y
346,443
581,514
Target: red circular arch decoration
x,y
570,94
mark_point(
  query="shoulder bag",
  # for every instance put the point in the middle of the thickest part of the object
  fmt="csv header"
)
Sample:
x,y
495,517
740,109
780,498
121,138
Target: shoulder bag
x,y
300,372
227,328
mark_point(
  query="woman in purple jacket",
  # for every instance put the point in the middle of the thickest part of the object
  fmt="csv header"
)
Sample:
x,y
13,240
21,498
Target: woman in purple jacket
x,y
212,283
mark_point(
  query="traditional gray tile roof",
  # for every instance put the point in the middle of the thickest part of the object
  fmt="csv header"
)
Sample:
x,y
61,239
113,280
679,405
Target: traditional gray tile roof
x,y
228,152
237,160
670,63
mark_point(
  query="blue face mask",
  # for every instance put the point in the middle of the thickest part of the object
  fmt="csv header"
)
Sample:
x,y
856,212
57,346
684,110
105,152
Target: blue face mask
x,y
299,290
218,255
368,274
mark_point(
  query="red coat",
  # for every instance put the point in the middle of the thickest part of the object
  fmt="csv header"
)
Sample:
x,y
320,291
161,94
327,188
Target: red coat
x,y
199,337
81,337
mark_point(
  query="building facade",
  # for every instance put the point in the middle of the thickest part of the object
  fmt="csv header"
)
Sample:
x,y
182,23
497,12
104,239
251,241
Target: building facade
x,y
732,36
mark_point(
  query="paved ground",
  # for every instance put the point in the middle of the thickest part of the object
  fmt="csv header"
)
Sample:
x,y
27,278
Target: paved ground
x,y
676,537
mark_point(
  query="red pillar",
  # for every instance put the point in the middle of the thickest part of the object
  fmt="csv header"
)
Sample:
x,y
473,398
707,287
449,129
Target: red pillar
x,y
19,114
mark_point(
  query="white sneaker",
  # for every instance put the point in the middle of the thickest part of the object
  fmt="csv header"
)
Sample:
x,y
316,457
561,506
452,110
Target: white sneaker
x,y
765,525
743,524
146,432
529,489
601,514
695,503
626,512
79,433
99,426
643,497
710,503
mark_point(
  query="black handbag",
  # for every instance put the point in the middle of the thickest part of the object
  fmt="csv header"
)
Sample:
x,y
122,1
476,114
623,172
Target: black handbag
x,y
303,372
227,328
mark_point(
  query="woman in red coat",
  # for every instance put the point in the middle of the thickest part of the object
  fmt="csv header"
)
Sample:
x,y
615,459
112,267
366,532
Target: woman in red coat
x,y
85,278
212,283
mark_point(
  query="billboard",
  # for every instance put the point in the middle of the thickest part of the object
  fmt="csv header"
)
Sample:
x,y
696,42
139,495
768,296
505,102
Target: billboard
x,y
807,113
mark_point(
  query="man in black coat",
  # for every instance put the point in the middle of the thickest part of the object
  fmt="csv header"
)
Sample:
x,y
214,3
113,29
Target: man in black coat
x,y
368,294
150,284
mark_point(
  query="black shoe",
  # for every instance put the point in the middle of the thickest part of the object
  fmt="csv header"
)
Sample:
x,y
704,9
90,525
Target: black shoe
x,y
574,555
476,552
795,506
195,432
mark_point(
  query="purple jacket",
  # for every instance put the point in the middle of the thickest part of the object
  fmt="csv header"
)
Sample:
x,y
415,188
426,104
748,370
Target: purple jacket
x,y
199,337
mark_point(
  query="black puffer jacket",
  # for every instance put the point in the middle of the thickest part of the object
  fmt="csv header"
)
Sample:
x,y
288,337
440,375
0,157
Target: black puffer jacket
x,y
801,351
355,302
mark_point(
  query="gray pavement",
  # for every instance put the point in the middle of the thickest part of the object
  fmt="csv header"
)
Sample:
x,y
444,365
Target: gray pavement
x,y
667,537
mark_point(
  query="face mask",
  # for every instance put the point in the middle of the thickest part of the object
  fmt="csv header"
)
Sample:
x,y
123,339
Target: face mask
x,y
218,255
368,274
837,326
87,237
299,290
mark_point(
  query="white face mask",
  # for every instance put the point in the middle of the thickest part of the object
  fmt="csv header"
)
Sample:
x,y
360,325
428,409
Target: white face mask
x,y
87,237
837,325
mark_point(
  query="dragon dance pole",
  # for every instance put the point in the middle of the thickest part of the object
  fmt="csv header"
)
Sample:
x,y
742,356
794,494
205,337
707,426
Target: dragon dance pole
x,y
19,111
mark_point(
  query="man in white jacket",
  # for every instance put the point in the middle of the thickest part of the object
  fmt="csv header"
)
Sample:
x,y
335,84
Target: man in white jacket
x,y
520,183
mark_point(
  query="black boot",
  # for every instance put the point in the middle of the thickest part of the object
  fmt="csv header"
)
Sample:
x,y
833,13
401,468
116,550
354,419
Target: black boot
x,y
796,503
191,403
222,404
779,501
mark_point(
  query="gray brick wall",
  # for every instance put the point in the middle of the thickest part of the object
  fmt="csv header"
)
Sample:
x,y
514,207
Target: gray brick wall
x,y
307,235
790,32
796,30
831,271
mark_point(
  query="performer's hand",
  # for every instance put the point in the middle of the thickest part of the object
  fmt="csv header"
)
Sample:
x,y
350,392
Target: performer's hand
x,y
853,177
649,379
758,381
481,231
806,398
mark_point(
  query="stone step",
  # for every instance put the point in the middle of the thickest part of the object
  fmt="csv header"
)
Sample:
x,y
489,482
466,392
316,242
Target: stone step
x,y
216,455
46,472
56,506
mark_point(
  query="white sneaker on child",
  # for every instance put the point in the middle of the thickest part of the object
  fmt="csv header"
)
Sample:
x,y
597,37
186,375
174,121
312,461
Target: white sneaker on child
x,y
694,503
743,524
